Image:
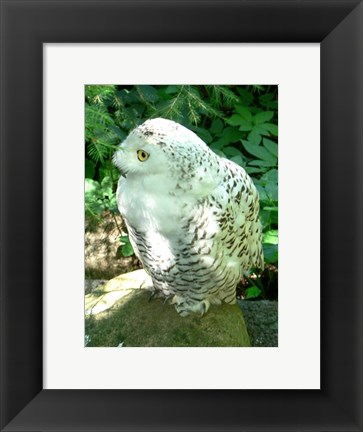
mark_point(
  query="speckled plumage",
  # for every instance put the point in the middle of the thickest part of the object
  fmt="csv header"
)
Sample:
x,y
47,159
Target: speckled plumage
x,y
192,216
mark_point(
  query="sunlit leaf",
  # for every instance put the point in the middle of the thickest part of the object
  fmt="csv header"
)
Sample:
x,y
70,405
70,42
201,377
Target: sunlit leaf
x,y
271,237
252,292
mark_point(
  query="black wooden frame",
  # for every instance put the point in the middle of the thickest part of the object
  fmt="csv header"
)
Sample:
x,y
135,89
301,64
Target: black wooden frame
x,y
25,26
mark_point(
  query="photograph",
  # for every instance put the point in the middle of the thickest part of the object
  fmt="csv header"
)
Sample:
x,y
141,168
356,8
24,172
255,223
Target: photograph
x,y
181,215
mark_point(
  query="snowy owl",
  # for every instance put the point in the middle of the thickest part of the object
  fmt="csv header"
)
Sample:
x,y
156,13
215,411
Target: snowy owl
x,y
191,215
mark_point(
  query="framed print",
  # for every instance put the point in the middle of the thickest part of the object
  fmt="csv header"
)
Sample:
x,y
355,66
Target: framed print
x,y
63,101
35,197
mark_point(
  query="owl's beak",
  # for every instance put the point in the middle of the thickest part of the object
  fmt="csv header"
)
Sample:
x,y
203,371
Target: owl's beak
x,y
123,173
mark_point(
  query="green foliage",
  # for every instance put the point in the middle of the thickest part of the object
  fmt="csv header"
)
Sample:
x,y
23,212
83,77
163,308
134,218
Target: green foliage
x,y
270,246
99,197
237,122
253,292
126,247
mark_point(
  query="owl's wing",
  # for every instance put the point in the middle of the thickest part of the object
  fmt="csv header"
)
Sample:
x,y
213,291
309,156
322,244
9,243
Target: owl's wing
x,y
235,204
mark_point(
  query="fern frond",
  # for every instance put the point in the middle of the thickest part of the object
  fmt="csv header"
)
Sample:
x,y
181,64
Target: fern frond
x,y
200,104
172,109
221,95
97,115
193,116
99,94
96,151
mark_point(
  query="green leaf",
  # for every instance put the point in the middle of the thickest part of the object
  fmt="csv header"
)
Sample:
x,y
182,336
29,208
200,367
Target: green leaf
x,y
263,117
271,237
127,250
109,170
148,93
272,128
261,192
271,105
262,163
235,120
112,204
217,126
253,170
252,292
244,113
106,187
230,135
265,218
260,152
204,134
241,121
238,159
217,151
271,253
129,96
245,127
172,89
94,208
266,97
93,198
254,138
126,247
271,146
272,191
270,176
231,151
262,129
245,96
91,186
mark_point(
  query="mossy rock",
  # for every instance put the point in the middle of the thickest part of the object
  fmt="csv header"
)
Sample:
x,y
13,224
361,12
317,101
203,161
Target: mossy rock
x,y
132,320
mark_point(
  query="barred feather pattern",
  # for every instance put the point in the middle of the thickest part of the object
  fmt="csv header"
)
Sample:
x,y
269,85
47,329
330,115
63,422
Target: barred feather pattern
x,y
192,216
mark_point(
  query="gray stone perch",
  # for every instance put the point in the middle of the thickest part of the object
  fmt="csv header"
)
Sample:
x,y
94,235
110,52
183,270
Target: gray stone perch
x,y
120,314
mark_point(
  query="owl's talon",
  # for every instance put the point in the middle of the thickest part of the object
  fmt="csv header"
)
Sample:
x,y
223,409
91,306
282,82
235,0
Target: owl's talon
x,y
153,294
183,313
147,285
204,306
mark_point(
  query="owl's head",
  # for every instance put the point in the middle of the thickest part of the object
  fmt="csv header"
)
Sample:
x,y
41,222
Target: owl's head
x,y
138,155
161,146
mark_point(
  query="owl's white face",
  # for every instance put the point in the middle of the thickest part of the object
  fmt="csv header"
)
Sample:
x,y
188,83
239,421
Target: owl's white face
x,y
164,148
164,156
137,157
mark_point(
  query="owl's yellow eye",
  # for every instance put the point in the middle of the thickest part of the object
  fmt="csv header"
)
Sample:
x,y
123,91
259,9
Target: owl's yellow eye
x,y
142,155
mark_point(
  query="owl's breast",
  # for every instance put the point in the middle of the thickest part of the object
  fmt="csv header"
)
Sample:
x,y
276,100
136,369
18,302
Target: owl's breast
x,y
147,205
